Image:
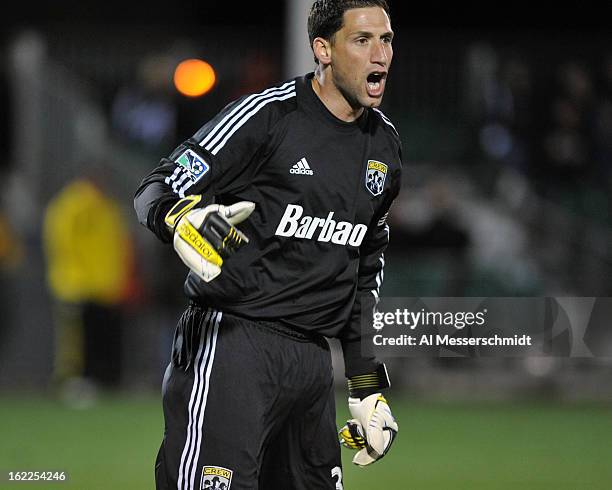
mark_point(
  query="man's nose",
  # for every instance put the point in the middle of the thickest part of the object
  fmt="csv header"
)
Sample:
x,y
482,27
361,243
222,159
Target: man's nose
x,y
380,54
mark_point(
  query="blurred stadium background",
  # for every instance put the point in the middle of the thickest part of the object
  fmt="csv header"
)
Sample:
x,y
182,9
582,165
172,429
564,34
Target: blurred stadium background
x,y
506,121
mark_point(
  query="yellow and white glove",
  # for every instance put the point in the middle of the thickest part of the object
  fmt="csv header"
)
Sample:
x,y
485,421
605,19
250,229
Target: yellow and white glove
x,y
372,429
203,237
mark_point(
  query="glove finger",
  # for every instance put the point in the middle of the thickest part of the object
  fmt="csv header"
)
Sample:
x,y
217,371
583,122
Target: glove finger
x,y
369,455
351,435
191,246
380,437
364,458
392,436
224,237
357,433
344,437
381,428
208,271
197,216
237,212
204,261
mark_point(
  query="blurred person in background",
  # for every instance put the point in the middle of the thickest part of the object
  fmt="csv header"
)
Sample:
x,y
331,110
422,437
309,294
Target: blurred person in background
x,y
7,238
499,97
11,256
6,114
568,144
429,223
89,262
310,168
602,132
144,110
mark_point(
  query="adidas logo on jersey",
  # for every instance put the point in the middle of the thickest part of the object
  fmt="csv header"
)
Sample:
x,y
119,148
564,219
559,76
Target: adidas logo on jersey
x,y
301,168
293,224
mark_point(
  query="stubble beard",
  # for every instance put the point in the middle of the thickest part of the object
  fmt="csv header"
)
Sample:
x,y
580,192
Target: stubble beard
x,y
350,95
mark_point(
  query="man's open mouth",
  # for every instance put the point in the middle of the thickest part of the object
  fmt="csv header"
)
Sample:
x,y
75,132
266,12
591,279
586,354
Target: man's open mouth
x,y
375,83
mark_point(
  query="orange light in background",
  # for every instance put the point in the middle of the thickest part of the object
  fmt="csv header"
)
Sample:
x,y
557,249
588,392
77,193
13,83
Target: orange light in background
x,y
194,77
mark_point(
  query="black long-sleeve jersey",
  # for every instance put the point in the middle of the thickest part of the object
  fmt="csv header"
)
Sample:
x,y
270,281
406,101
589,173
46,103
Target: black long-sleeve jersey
x,y
322,189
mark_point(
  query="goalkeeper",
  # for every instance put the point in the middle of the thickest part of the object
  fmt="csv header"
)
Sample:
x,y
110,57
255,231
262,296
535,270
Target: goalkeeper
x,y
278,208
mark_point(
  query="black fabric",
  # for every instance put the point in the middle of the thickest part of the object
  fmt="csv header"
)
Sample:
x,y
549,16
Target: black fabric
x,y
262,408
284,151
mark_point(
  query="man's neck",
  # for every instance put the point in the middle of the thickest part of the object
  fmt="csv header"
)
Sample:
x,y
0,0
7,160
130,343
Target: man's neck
x,y
333,99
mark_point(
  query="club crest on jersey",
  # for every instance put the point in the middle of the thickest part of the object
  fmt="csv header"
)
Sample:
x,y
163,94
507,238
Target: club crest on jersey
x,y
195,165
216,478
376,173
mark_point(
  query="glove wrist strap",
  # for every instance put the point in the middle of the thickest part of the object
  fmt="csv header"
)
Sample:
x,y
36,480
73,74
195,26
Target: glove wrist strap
x,y
180,209
362,385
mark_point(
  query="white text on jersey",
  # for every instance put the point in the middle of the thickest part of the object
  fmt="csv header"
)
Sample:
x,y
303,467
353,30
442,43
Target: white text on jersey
x,y
293,224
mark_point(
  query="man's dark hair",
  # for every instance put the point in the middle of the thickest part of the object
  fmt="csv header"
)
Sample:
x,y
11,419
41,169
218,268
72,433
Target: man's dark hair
x,y
327,16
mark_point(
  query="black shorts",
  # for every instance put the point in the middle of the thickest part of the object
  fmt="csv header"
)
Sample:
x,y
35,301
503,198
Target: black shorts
x,y
247,405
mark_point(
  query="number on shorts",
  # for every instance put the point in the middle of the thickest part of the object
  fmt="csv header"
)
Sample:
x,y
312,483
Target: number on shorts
x,y
337,471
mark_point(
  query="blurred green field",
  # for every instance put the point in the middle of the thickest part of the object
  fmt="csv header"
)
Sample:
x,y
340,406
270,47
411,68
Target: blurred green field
x,y
463,446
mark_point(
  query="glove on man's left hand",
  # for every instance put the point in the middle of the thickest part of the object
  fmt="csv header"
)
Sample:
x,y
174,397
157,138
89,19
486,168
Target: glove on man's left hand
x,y
372,429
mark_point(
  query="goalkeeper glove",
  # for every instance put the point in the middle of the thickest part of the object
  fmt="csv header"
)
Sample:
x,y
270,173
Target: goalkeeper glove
x,y
372,429
203,237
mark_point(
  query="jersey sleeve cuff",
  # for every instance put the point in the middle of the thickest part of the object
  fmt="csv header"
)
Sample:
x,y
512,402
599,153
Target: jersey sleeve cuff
x,y
362,385
156,218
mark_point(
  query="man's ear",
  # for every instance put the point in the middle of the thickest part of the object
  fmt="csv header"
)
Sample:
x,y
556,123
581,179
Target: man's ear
x,y
322,50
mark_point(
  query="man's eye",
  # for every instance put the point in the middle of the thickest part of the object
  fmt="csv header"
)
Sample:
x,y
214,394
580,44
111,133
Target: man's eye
x,y
362,40
387,40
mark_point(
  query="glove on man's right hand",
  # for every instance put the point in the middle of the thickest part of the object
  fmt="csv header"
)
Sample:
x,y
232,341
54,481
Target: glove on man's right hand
x,y
203,237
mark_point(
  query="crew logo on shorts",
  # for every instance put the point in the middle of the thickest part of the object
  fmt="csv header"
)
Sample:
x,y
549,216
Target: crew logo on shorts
x,y
216,478
376,174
